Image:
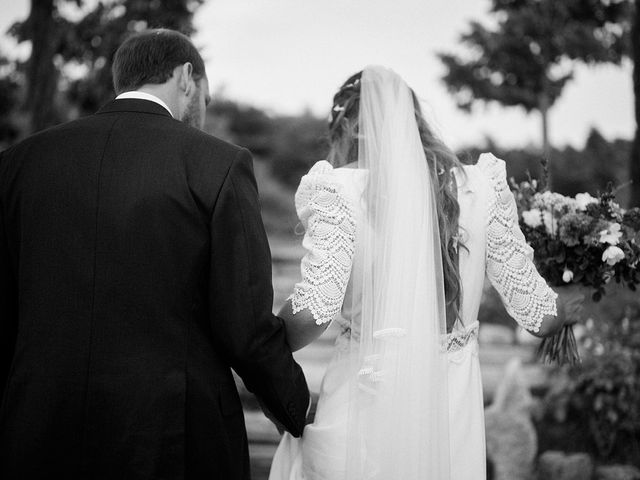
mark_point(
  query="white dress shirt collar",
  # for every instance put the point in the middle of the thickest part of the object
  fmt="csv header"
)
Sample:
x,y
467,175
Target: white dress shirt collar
x,y
144,96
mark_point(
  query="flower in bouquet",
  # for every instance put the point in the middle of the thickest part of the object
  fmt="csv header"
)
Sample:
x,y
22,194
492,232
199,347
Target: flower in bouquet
x,y
583,200
533,217
611,234
612,255
597,226
573,227
553,202
567,276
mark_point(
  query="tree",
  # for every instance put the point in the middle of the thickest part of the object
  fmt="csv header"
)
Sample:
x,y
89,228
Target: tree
x,y
88,44
96,37
242,124
529,56
42,28
11,89
634,161
299,142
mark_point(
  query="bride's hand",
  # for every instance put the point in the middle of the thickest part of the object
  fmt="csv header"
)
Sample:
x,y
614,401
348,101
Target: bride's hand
x,y
569,307
301,327
570,303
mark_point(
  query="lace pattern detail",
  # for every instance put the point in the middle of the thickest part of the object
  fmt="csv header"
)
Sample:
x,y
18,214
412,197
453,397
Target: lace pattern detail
x,y
510,267
328,219
460,338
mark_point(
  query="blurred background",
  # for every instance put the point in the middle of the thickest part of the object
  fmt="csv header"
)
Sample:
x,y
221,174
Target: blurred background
x,y
525,79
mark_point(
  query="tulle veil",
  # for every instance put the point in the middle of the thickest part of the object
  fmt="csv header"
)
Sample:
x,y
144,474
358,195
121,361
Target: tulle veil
x,y
398,419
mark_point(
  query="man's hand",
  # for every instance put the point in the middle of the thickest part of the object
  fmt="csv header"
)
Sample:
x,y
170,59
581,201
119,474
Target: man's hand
x,y
270,416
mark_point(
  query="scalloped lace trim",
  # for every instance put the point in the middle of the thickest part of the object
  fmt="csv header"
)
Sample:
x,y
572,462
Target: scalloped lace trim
x,y
330,238
525,294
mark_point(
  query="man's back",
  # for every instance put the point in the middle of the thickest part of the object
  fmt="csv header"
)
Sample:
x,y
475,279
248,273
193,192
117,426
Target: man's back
x,y
120,252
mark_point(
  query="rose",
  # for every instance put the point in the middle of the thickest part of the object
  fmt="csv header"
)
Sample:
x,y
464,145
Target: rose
x,y
612,255
532,218
611,235
567,276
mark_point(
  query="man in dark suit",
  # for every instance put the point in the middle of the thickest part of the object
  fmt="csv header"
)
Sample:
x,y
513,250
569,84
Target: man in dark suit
x,y
134,272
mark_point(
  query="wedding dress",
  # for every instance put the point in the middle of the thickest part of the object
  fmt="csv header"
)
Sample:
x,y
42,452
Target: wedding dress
x,y
440,435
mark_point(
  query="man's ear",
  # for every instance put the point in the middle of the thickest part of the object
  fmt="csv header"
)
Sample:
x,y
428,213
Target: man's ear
x,y
185,80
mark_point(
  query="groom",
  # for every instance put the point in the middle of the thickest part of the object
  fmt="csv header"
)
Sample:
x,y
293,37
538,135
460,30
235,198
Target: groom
x,y
134,272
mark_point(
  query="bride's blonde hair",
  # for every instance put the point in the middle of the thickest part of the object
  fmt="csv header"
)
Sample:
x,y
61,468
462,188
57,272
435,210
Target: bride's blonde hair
x,y
343,143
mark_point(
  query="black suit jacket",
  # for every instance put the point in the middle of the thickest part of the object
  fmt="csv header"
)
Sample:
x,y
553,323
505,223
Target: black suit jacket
x,y
135,271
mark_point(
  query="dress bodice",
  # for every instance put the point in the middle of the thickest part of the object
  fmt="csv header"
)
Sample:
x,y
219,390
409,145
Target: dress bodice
x,y
330,205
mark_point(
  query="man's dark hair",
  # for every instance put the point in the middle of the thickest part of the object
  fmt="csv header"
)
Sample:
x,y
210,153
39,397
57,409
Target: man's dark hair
x,y
151,56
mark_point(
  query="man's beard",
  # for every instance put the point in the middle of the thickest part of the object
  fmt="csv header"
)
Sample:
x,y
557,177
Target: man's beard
x,y
192,114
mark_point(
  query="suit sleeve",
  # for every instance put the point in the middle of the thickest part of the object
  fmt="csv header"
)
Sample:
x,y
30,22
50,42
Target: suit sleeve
x,y
8,299
241,300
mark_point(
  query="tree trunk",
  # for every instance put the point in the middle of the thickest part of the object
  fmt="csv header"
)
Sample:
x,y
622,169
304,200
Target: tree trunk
x,y
634,161
546,147
42,73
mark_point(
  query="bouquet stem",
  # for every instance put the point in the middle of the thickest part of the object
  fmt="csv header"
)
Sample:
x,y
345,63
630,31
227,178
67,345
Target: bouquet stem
x,y
560,349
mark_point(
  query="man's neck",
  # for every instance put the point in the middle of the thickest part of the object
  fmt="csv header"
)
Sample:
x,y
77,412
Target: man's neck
x,y
156,94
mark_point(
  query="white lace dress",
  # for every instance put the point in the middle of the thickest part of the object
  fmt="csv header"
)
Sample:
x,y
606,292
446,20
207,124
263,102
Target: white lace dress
x,y
328,204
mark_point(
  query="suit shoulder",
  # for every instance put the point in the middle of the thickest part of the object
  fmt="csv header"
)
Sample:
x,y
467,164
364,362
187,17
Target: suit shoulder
x,y
208,144
43,137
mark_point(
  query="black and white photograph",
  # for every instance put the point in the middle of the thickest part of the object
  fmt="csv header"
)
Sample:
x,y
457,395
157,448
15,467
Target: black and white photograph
x,y
320,240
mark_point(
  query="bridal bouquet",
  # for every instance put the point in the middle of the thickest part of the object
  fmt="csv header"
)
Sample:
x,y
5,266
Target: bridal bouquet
x,y
581,240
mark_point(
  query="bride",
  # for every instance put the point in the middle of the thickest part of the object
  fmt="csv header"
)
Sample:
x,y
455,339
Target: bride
x,y
399,237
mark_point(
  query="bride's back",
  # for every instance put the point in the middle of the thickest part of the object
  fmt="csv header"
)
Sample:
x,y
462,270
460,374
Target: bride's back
x,y
490,240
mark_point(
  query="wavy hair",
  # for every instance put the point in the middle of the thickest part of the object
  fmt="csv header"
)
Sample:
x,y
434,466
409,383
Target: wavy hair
x,y
343,149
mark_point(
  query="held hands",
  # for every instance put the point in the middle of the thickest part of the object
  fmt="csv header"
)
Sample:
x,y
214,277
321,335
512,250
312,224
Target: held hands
x,y
270,416
267,413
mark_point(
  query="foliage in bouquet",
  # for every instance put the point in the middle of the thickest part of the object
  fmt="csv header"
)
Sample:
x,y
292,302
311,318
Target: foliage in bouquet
x,y
583,240
602,394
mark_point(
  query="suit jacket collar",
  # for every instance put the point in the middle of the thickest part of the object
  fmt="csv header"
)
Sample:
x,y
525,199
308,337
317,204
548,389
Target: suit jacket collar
x,y
134,105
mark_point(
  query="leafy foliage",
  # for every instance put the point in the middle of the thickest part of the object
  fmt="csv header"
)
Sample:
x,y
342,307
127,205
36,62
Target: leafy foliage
x,y
574,170
242,124
10,93
603,393
523,60
300,143
290,144
94,39
79,36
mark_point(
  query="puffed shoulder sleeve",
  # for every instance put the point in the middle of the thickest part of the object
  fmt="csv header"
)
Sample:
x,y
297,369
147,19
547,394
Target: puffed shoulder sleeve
x,y
330,229
509,259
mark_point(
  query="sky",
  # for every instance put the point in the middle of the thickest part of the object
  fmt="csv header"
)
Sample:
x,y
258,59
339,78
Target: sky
x,y
287,56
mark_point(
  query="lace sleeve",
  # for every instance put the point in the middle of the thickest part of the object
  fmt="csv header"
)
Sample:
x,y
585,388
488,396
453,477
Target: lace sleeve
x,y
509,259
329,223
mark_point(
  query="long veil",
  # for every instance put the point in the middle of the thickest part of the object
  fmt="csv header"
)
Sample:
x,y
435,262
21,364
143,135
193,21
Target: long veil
x,y
398,420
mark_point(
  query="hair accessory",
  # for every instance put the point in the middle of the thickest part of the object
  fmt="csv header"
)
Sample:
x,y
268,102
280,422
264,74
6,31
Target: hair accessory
x,y
352,84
